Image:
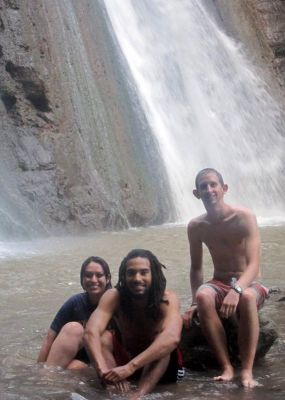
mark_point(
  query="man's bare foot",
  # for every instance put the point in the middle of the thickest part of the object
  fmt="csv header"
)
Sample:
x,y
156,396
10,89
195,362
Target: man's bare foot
x,y
226,376
134,396
247,380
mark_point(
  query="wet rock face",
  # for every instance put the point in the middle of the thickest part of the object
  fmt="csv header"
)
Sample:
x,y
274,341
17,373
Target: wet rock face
x,y
33,87
260,25
269,16
76,153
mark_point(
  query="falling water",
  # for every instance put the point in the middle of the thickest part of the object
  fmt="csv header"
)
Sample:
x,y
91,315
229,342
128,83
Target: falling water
x,y
204,101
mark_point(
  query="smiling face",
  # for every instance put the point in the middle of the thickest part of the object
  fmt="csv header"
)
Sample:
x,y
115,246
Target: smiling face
x,y
138,276
209,189
94,280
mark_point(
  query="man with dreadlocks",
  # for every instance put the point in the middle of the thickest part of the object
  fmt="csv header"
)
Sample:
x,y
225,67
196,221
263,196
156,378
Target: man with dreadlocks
x,y
149,328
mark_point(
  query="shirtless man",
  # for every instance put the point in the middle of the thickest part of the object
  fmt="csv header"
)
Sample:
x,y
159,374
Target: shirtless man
x,y
149,327
232,237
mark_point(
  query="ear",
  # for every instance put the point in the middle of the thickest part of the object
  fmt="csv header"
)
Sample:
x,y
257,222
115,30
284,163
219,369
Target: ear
x,y
196,194
225,188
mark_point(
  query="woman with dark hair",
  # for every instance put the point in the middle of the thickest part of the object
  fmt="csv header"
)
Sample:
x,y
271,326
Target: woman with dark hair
x,y
62,345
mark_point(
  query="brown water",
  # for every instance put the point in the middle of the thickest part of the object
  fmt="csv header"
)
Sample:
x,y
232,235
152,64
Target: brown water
x,y
37,277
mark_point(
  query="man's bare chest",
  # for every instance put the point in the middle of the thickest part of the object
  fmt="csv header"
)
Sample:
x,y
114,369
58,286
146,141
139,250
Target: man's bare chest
x,y
223,237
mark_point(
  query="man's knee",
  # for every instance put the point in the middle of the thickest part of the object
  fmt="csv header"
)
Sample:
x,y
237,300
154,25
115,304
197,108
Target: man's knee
x,y
206,298
247,299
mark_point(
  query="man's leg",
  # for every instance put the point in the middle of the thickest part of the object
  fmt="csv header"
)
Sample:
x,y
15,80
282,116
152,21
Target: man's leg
x,y
66,345
108,350
151,375
248,335
213,330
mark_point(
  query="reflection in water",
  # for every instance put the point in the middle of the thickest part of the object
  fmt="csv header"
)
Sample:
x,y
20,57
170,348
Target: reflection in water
x,y
39,276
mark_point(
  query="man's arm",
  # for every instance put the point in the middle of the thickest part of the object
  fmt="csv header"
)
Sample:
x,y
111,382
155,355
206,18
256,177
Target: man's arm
x,y
252,256
164,343
252,252
196,271
46,345
96,326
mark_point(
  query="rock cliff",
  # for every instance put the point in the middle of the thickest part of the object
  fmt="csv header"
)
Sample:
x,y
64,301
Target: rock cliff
x,y
260,26
76,152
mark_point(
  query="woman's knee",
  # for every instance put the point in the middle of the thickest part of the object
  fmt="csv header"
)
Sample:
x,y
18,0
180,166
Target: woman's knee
x,y
72,329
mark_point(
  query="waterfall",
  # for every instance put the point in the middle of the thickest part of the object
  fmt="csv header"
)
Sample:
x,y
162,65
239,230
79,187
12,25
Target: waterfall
x,y
204,101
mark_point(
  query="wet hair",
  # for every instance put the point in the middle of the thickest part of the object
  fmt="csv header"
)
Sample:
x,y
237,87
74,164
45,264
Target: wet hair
x,y
157,288
208,171
103,264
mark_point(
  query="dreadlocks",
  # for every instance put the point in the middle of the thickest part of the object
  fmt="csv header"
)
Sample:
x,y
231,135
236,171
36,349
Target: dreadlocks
x,y
156,292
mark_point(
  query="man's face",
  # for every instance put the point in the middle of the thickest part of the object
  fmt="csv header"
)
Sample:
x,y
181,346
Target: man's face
x,y
138,276
210,190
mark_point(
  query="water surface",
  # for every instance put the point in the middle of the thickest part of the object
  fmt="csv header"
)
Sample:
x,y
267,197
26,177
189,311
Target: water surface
x,y
37,277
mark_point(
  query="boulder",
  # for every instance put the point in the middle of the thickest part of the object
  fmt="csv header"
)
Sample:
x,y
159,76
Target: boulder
x,y
197,354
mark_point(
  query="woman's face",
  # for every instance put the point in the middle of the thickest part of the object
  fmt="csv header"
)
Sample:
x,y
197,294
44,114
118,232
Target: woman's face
x,y
94,279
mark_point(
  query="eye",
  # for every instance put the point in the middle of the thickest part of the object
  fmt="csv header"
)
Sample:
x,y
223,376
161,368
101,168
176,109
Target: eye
x,y
89,275
144,271
203,187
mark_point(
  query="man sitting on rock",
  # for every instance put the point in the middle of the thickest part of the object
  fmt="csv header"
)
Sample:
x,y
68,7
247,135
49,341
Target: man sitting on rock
x,y
232,237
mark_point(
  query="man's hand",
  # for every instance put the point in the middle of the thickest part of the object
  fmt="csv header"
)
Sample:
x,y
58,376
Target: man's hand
x,y
122,386
188,315
118,374
229,305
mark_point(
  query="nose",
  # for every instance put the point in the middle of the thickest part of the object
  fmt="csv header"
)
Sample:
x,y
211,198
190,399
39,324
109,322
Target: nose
x,y
137,277
94,278
208,188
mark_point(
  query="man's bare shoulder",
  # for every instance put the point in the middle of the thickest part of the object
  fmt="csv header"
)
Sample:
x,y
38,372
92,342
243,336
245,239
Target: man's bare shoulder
x,y
196,228
244,214
195,223
170,295
110,298
171,304
243,211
